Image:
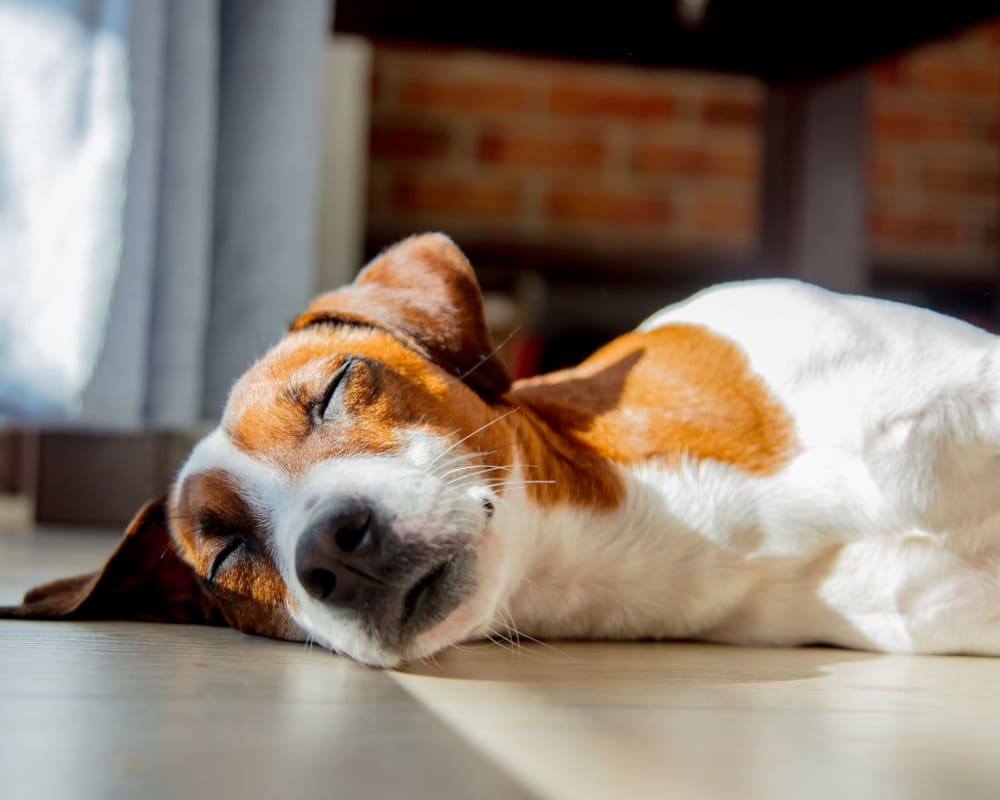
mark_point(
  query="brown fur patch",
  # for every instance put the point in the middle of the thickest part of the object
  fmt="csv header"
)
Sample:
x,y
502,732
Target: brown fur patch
x,y
674,392
205,511
209,494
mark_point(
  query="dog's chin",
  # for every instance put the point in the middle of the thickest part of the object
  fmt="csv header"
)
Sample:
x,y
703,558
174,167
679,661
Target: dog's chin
x,y
469,621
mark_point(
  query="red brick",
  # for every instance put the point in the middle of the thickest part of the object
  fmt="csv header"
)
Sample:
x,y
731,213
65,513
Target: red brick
x,y
965,181
888,73
447,94
726,217
918,125
695,160
402,140
729,112
620,101
924,146
541,150
993,32
942,75
882,171
991,237
432,194
915,228
601,205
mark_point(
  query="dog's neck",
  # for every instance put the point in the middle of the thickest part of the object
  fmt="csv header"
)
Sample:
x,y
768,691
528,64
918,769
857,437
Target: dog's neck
x,y
608,530
605,433
568,467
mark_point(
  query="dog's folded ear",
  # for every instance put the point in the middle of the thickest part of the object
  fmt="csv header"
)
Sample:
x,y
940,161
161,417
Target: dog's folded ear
x,y
144,579
423,291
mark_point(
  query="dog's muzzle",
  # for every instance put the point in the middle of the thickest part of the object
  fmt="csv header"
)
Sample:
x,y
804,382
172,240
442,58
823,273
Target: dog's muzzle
x,y
352,560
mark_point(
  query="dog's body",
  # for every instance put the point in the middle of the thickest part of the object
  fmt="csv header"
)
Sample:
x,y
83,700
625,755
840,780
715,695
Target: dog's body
x,y
766,463
809,479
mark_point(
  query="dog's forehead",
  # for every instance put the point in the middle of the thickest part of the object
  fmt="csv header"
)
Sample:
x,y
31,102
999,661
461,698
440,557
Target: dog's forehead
x,y
271,412
303,354
267,411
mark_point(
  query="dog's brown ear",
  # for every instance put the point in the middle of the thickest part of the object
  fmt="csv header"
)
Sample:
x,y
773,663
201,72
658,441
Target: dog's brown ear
x,y
423,291
144,579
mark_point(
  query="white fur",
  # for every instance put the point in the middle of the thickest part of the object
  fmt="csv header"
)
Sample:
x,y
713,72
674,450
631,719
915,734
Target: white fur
x,y
882,532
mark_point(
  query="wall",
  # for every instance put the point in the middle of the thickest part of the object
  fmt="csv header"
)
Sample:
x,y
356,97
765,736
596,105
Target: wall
x,y
543,152
624,163
935,166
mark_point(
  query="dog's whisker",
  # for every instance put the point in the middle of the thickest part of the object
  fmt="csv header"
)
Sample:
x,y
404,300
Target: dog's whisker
x,y
509,622
502,643
484,453
461,483
507,635
471,467
509,617
476,470
477,431
431,660
504,484
491,354
457,471
445,461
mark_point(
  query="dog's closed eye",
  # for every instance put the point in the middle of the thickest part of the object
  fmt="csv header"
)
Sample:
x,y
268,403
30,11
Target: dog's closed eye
x,y
354,384
232,548
331,402
229,543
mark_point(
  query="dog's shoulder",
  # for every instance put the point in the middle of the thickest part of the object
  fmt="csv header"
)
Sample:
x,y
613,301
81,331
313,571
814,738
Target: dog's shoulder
x,y
795,333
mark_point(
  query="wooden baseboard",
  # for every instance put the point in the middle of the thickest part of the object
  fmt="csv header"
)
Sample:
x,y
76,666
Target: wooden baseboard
x,y
97,479
11,443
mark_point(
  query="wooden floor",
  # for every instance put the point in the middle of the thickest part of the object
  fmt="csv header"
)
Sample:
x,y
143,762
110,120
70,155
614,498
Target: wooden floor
x,y
125,710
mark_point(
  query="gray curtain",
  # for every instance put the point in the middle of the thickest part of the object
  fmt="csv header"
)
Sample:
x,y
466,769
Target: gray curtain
x,y
205,221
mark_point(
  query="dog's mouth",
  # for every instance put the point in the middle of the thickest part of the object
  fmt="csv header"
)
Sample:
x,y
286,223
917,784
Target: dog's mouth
x,y
437,592
421,603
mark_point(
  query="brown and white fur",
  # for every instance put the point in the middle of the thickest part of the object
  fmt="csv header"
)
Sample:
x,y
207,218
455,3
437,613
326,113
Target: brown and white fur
x,y
766,463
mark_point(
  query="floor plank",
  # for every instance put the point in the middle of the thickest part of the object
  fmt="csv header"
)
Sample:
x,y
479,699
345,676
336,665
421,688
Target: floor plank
x,y
128,710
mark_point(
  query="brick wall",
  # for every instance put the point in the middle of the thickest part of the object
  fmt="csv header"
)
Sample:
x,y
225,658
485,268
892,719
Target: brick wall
x,y
935,161
541,152
620,160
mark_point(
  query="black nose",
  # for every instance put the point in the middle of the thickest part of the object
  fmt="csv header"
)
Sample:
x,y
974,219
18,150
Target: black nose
x,y
340,554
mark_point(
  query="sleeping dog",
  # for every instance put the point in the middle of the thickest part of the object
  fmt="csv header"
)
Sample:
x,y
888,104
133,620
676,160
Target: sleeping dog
x,y
766,463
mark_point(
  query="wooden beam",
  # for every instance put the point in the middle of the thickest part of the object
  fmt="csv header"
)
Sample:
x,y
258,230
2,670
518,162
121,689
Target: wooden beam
x,y
814,193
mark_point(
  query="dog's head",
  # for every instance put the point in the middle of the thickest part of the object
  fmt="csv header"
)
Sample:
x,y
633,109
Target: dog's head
x,y
349,494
